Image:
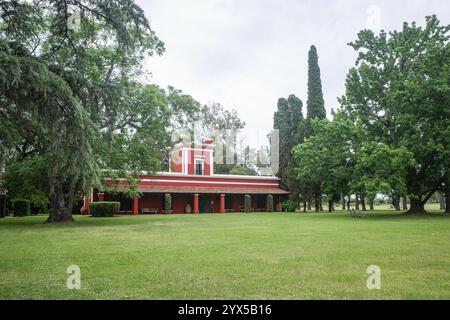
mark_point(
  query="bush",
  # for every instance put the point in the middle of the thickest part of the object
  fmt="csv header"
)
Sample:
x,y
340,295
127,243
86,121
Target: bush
x,y
248,203
167,203
270,203
104,208
77,205
21,207
38,203
289,205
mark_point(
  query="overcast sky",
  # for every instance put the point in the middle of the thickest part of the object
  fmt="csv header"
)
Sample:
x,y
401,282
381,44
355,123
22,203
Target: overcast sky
x,y
246,54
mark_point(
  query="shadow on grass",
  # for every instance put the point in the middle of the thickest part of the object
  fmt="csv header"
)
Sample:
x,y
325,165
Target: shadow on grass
x,y
81,221
38,221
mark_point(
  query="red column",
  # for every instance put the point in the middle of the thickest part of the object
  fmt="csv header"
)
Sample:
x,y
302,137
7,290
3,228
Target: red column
x,y
101,196
196,203
222,203
86,204
135,206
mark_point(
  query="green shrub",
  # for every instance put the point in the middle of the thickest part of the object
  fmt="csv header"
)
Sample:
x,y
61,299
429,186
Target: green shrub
x,y
21,207
270,203
167,203
104,208
248,203
77,205
289,205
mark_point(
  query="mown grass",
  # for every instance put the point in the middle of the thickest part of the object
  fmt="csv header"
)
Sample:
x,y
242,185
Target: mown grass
x,y
229,256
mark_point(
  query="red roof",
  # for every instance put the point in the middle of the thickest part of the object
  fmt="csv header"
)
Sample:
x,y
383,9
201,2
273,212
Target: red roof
x,y
230,190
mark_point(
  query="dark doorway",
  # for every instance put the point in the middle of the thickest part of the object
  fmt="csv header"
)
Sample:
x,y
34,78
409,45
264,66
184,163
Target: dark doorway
x,y
126,204
229,202
204,203
260,202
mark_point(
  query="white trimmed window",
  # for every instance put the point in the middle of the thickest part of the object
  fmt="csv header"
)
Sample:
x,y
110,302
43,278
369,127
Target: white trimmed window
x,y
199,167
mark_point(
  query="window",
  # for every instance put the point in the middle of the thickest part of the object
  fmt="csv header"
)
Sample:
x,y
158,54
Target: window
x,y
199,167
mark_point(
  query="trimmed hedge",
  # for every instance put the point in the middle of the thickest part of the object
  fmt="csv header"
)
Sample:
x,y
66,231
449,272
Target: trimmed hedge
x,y
104,208
167,203
270,203
21,207
248,203
289,205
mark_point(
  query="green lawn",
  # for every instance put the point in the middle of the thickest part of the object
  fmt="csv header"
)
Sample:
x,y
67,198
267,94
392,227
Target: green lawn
x,y
230,256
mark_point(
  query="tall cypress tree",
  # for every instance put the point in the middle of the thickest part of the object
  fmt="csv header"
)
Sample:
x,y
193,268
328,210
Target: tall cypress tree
x,y
315,109
315,105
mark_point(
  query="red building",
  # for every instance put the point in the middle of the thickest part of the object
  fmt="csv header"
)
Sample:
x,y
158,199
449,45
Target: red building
x,y
194,188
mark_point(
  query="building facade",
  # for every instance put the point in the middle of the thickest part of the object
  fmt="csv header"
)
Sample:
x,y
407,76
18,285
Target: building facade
x,y
194,187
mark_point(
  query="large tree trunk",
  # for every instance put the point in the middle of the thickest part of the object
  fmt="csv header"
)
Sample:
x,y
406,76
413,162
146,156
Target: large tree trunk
x,y
447,202
317,203
416,207
304,205
330,205
442,200
356,202
343,201
321,203
363,203
60,208
405,203
309,204
3,209
371,203
348,202
396,203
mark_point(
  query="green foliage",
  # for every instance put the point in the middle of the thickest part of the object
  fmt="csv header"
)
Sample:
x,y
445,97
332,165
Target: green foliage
x,y
66,90
77,205
223,126
183,108
217,122
315,104
243,170
288,119
289,205
270,203
104,208
27,179
392,133
248,203
326,159
39,203
46,110
21,207
381,168
399,92
167,203
138,139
